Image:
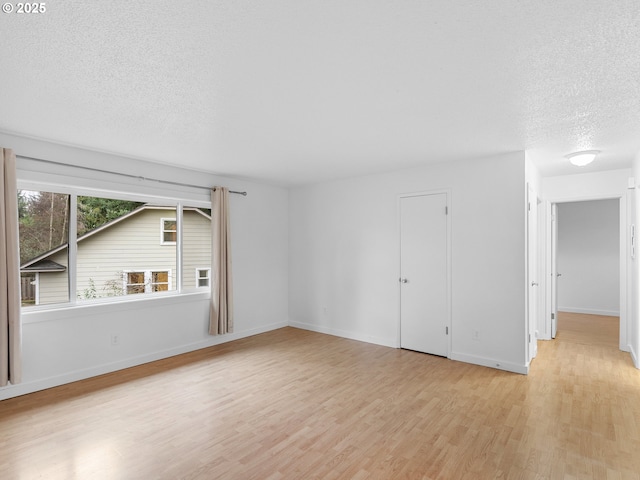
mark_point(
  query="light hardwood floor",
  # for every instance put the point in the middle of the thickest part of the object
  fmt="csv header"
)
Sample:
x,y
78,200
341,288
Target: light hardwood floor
x,y
293,404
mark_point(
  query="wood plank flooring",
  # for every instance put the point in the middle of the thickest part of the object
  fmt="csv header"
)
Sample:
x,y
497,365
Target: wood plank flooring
x,y
293,404
589,329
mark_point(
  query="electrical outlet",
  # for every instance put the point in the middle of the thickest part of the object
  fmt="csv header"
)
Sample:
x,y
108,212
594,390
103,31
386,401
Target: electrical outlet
x,y
115,339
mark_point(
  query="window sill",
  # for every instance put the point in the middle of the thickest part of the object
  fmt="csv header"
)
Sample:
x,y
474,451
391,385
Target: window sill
x,y
59,312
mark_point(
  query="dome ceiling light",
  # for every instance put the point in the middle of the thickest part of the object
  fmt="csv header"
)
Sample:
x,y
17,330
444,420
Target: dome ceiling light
x,y
580,159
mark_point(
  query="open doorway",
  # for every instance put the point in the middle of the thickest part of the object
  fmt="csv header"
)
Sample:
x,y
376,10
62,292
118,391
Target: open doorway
x,y
587,270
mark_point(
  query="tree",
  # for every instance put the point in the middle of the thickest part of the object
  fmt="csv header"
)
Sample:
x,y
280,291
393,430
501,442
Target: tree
x,y
93,212
43,222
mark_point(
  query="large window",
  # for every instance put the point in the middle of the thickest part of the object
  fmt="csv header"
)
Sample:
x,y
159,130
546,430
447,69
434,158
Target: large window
x,y
115,250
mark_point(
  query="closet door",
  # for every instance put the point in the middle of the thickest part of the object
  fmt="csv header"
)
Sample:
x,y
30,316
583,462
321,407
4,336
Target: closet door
x,y
424,281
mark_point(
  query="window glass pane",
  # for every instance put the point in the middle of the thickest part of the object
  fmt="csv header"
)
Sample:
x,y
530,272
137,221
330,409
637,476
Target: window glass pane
x,y
135,282
44,235
160,281
118,248
196,248
136,277
159,277
169,230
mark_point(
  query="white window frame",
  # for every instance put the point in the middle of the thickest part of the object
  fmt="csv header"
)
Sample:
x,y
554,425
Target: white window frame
x,y
163,230
37,280
198,277
126,284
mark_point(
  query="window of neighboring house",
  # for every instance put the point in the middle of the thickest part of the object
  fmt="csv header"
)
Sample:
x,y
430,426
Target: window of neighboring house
x,y
147,281
134,282
169,231
160,281
202,277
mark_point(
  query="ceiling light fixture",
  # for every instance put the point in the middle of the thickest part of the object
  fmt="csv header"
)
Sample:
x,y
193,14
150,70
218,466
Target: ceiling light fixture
x,y
580,159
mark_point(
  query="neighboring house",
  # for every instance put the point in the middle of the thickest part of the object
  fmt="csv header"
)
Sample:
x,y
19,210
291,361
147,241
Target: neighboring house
x,y
133,254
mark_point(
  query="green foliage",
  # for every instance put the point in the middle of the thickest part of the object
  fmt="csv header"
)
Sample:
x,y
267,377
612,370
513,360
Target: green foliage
x,y
111,288
89,292
43,219
93,212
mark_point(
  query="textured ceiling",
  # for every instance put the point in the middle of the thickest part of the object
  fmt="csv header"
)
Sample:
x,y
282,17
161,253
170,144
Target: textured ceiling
x,y
294,92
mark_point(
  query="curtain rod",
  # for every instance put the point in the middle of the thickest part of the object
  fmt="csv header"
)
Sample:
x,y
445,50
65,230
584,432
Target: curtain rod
x,y
137,177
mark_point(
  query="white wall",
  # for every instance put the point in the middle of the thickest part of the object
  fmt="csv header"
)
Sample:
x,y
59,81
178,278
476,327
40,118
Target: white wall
x,y
63,345
344,256
586,186
588,257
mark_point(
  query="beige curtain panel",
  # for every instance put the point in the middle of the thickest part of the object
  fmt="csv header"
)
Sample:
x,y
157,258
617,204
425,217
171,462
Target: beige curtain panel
x,y
221,312
10,335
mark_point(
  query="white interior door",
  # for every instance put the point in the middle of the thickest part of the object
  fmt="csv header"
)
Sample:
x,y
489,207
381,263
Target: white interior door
x,y
423,274
532,236
554,270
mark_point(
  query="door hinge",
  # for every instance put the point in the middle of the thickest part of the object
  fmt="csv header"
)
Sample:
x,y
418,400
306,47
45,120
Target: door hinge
x,y
447,330
446,210
529,206
529,338
553,316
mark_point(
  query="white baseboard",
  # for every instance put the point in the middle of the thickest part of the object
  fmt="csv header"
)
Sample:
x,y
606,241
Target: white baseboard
x,y
11,391
490,362
344,334
590,311
461,357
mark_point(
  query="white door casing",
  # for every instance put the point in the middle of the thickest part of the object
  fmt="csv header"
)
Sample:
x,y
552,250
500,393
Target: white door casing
x,y
532,269
554,270
551,268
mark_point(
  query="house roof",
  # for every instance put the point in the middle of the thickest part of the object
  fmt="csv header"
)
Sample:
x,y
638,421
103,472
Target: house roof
x,y
43,266
33,264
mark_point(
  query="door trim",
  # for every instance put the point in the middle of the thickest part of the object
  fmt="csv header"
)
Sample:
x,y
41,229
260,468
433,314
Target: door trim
x,y
448,198
533,273
623,261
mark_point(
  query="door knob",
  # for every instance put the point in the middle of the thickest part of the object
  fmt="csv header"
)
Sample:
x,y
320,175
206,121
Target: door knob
x,y
404,280
534,284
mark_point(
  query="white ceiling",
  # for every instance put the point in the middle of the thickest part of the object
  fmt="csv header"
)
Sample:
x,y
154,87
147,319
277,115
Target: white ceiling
x,y
294,92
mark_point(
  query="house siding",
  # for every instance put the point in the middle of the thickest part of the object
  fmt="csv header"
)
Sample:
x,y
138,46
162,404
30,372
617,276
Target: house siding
x,y
134,244
196,250
54,286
